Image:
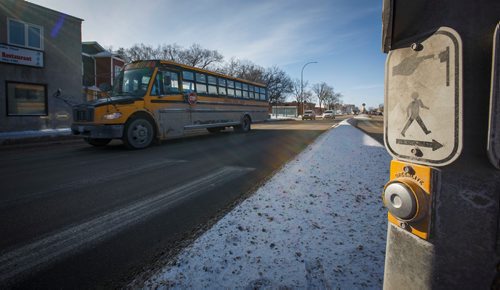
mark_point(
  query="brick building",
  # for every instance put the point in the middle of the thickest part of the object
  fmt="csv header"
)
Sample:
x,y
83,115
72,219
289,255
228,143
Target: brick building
x,y
100,66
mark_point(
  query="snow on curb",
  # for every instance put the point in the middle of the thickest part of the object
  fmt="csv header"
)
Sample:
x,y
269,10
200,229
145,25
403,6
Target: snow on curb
x,y
318,223
39,133
362,117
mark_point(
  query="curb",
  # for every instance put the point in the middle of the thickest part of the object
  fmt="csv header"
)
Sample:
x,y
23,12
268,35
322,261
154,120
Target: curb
x,y
12,141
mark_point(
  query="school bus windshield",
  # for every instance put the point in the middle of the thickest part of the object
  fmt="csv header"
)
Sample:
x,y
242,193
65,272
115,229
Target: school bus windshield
x,y
132,82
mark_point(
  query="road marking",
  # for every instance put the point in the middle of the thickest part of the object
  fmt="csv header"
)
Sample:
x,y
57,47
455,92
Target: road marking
x,y
86,181
35,256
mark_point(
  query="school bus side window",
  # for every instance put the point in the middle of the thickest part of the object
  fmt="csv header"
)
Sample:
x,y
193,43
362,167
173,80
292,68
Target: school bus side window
x,y
187,81
171,82
187,87
166,82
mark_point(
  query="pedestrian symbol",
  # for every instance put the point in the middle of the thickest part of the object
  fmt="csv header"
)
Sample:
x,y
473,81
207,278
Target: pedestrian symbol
x,y
423,100
413,114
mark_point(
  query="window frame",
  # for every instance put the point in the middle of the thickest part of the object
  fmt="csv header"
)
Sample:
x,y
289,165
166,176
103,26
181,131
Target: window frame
x,y
26,34
162,89
201,80
46,102
222,84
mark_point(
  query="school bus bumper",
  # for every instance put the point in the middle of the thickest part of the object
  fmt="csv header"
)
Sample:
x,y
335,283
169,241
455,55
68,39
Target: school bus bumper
x,y
97,131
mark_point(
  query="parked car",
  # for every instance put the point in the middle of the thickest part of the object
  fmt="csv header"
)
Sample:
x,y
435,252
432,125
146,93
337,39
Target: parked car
x,y
309,115
329,114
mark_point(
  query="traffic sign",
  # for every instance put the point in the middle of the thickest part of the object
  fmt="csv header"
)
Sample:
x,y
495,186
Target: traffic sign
x,y
494,127
423,100
192,98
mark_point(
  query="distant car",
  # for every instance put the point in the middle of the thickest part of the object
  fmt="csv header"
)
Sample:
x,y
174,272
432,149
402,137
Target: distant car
x,y
309,115
329,114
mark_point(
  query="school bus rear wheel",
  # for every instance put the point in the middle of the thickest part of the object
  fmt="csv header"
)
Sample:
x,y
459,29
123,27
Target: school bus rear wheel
x,y
245,126
138,133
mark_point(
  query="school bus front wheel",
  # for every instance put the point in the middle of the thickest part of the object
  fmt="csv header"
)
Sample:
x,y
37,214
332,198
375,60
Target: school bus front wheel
x,y
138,133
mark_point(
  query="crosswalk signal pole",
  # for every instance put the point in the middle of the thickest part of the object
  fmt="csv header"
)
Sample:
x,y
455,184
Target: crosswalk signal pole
x,y
442,127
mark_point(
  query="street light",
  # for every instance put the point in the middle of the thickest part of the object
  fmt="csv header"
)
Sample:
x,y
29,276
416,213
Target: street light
x,y
302,84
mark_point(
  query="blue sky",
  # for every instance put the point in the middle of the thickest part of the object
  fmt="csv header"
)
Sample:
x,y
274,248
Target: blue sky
x,y
343,36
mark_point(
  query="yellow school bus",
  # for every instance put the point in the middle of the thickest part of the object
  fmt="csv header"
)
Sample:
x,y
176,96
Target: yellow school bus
x,y
157,100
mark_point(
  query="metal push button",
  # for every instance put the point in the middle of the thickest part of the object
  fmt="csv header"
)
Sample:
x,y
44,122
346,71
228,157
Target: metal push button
x,y
401,201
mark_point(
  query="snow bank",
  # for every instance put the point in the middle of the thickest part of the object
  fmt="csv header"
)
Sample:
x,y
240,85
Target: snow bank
x,y
318,223
362,117
34,133
283,117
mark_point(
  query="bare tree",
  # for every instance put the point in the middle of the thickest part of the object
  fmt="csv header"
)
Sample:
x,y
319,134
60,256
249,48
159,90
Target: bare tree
x,y
332,98
195,55
172,52
245,69
140,52
198,56
279,84
322,91
300,92
231,67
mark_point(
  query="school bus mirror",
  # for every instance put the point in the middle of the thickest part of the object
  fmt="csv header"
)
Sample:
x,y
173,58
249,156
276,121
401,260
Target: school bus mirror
x,y
167,81
105,87
57,93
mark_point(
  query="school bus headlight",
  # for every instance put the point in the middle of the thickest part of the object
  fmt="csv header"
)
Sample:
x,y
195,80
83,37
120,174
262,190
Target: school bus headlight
x,y
112,116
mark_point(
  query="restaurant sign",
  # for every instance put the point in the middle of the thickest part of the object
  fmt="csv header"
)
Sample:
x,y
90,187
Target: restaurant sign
x,y
20,56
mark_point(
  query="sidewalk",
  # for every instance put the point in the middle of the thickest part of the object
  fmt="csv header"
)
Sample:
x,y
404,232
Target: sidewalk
x,y
318,223
21,137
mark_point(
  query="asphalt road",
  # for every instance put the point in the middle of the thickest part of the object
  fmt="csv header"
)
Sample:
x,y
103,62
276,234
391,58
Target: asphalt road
x,y
75,216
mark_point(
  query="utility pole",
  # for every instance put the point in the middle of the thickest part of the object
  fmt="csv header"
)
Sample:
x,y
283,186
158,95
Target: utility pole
x,y
302,84
442,126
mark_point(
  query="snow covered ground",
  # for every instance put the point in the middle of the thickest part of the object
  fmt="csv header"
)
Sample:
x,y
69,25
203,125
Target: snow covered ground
x,y
38,133
362,117
283,117
318,223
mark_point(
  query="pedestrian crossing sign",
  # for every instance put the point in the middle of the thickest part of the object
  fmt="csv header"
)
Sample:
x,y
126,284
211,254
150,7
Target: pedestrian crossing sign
x,y
423,100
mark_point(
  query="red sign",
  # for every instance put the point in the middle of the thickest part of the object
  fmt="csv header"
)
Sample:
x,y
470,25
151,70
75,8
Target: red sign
x,y
192,98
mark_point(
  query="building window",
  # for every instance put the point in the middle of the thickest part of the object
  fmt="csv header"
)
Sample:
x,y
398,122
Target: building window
x,y
26,99
117,70
25,34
